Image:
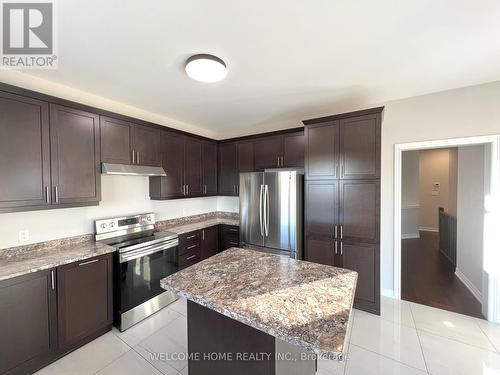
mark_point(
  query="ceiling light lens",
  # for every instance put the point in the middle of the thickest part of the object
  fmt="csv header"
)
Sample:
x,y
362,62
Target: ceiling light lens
x,y
206,68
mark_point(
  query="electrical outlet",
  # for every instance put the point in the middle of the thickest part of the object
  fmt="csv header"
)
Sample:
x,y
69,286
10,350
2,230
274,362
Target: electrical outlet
x,y
24,235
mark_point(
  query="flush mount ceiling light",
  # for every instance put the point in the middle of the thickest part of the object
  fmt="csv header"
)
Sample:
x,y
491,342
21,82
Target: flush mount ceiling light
x,y
206,68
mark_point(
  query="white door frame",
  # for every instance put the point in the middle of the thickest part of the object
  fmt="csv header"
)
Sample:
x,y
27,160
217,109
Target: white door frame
x,y
491,249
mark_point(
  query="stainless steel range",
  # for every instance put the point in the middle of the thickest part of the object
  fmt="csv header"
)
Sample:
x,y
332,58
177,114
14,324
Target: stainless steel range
x,y
142,259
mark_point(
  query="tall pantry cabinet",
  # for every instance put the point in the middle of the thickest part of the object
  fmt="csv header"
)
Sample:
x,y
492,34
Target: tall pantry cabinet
x,y
342,198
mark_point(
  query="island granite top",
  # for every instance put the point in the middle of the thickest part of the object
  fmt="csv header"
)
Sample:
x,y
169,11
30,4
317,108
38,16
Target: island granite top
x,y
305,304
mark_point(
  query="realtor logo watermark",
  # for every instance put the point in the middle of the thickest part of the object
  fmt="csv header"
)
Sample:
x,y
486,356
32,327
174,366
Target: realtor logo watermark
x,y
28,34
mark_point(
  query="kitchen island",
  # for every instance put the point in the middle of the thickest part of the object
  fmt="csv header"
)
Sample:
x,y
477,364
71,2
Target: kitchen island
x,y
255,313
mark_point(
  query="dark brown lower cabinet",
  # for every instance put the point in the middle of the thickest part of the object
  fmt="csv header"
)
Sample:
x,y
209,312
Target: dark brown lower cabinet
x,y
46,314
320,250
364,259
84,298
27,322
209,241
229,236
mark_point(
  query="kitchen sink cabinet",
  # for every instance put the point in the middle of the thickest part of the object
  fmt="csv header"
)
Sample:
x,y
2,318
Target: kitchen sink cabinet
x,y
46,314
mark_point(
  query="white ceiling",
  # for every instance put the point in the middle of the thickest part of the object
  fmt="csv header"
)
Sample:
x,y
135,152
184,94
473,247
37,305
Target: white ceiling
x,y
287,59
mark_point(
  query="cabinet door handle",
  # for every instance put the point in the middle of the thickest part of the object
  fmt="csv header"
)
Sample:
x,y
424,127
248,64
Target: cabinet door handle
x,y
335,231
335,247
341,232
133,157
47,194
183,189
138,157
282,162
278,161
203,234
52,280
187,189
56,194
88,262
191,257
233,230
190,237
234,243
191,247
341,252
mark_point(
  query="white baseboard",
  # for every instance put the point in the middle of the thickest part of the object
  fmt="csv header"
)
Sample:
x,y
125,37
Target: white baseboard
x,y
408,236
428,229
475,292
387,293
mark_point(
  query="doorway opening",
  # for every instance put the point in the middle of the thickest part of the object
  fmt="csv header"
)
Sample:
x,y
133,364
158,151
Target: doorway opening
x,y
446,225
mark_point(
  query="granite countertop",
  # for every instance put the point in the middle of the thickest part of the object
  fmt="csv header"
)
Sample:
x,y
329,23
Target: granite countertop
x,y
305,304
185,228
32,258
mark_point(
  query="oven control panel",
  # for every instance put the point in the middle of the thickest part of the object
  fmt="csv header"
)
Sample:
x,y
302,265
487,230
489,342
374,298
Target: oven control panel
x,y
123,223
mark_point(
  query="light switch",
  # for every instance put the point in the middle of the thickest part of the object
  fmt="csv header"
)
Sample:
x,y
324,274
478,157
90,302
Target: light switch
x,y
24,235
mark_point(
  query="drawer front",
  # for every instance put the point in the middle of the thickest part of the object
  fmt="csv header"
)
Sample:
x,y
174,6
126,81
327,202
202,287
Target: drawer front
x,y
232,231
192,256
188,242
227,243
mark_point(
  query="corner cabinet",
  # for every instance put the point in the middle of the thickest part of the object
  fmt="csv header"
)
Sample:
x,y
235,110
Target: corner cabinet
x,y
342,198
191,167
46,314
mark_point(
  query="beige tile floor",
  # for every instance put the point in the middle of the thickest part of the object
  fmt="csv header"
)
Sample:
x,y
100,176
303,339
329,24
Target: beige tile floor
x,y
407,339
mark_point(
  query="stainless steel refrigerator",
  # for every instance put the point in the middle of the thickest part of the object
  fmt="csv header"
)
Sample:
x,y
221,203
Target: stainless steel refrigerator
x,y
271,211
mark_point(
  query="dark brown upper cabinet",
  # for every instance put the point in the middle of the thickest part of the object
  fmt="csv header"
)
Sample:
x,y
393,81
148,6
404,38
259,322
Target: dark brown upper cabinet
x,y
116,141
209,168
82,313
172,156
25,152
360,147
75,156
146,144
228,169
245,157
190,165
268,153
293,150
322,151
123,142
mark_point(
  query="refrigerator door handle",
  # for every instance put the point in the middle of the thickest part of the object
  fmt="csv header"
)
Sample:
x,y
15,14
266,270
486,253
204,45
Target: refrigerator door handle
x,y
266,203
260,210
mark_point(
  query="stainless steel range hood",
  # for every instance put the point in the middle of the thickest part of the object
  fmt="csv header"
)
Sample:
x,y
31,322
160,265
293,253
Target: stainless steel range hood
x,y
131,170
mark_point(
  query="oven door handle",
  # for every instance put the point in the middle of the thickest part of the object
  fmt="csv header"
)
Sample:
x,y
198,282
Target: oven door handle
x,y
125,257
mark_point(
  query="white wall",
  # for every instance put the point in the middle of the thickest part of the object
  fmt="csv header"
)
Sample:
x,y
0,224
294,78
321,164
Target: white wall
x,y
451,114
470,217
410,200
121,195
436,166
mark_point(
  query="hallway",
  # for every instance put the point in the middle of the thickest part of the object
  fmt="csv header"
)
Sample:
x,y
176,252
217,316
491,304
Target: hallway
x,y
427,280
